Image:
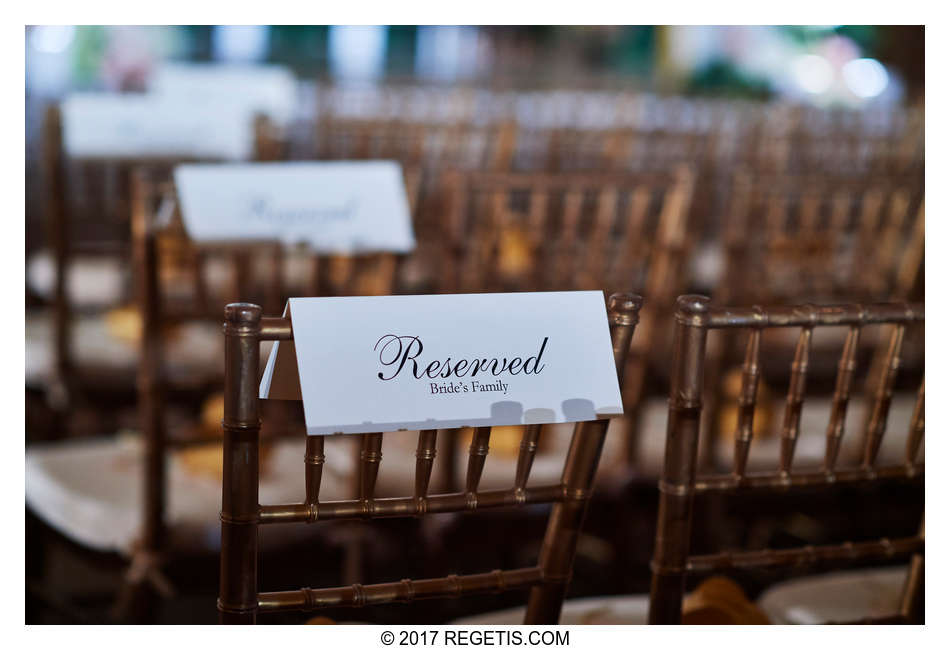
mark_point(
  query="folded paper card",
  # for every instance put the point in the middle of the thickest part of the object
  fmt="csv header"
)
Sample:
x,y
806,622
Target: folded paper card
x,y
369,364
126,125
334,207
269,90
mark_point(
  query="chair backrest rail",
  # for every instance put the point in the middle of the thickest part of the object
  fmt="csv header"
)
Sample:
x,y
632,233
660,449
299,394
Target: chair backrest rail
x,y
409,506
829,554
307,599
276,329
812,478
812,315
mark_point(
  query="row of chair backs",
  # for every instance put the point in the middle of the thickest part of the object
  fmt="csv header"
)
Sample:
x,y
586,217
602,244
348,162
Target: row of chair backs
x,y
508,147
564,231
246,415
593,110
822,237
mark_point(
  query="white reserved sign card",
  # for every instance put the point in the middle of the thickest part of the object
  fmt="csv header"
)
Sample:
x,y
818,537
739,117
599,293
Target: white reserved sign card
x,y
388,363
267,89
134,125
333,207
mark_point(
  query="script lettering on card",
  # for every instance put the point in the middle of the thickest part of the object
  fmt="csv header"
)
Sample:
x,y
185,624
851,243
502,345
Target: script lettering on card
x,y
332,207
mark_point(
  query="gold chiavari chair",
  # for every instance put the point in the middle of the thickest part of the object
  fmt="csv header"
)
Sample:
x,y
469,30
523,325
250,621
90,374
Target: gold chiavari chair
x,y
528,232
417,144
801,140
173,290
815,238
680,485
242,514
812,237
80,489
88,216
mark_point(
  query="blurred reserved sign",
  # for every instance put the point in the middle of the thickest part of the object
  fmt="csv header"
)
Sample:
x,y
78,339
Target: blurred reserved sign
x,y
267,89
334,207
127,125
388,363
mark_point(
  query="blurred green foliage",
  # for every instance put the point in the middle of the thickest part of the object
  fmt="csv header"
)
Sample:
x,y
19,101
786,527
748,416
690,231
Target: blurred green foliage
x,y
89,50
725,80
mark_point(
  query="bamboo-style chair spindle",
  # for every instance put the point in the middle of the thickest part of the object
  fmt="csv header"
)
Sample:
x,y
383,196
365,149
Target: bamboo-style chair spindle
x,y
314,461
526,453
632,245
241,514
370,456
791,426
841,397
563,270
912,594
916,434
425,457
477,452
869,218
747,396
882,397
672,562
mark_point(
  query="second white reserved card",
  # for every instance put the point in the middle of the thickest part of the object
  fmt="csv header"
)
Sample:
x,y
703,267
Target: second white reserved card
x,y
368,364
334,207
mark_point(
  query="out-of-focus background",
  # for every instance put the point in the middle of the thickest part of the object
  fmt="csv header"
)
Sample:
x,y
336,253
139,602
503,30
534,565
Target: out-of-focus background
x,y
754,164
856,67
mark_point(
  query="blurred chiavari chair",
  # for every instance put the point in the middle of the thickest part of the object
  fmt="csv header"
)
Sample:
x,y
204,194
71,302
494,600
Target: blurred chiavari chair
x,y
820,237
84,492
175,289
680,484
797,139
242,514
789,239
417,144
535,232
150,497
87,212
528,231
769,136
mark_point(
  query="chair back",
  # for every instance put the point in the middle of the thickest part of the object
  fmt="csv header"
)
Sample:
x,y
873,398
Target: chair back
x,y
679,483
242,515
172,288
805,237
88,212
524,231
